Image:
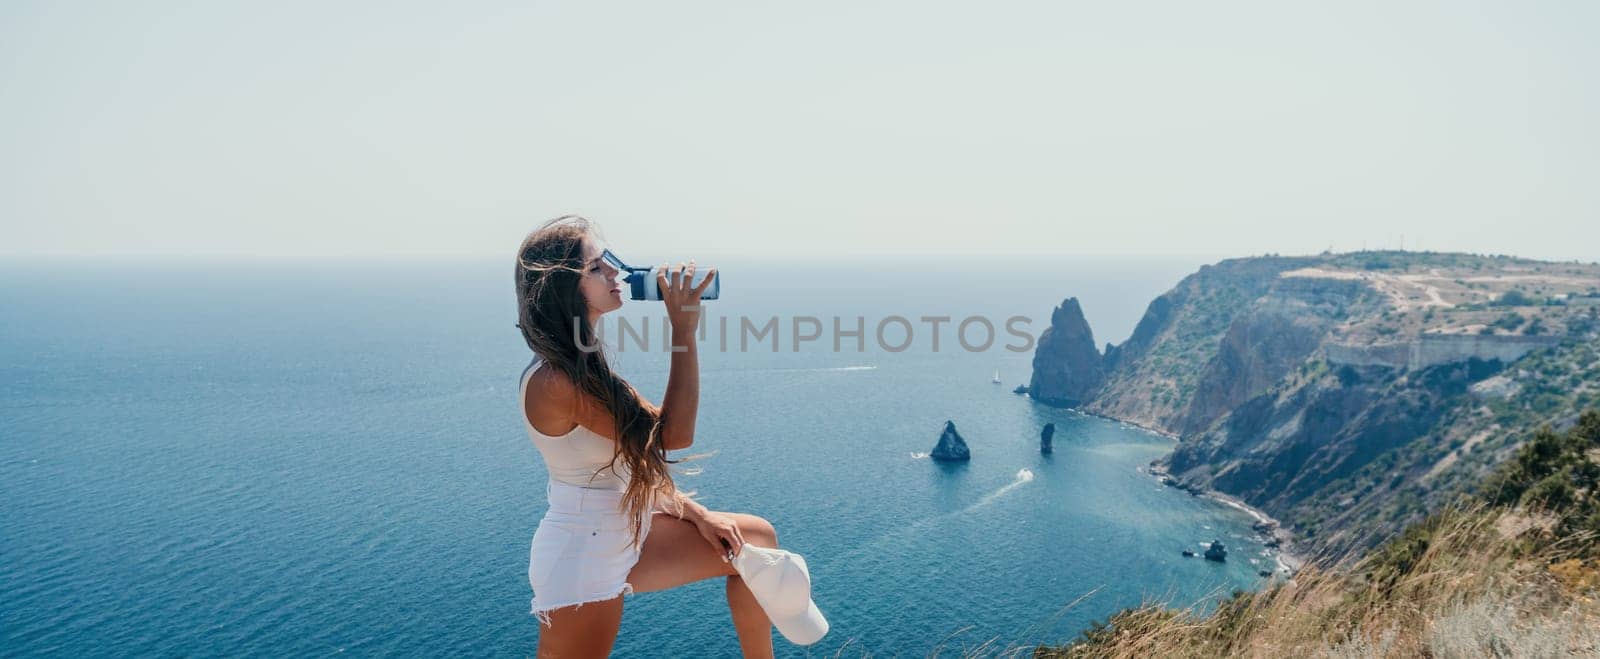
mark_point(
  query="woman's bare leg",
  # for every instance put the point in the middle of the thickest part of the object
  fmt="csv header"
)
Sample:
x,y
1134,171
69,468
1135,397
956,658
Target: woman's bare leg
x,y
749,620
675,554
581,631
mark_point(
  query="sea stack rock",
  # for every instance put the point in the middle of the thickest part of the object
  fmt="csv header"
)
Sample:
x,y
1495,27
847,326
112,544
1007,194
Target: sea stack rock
x,y
1067,367
1045,438
951,448
1216,552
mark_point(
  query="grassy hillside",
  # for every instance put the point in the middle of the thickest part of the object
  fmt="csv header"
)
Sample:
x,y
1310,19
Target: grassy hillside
x,y
1474,431
1511,571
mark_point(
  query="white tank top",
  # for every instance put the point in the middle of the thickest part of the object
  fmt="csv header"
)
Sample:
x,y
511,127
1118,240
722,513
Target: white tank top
x,y
573,458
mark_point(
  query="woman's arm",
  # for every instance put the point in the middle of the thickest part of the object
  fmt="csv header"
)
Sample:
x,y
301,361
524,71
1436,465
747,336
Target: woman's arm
x,y
720,530
554,400
680,404
683,507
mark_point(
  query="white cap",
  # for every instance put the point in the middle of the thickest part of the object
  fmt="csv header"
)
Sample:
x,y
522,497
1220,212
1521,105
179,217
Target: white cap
x,y
782,586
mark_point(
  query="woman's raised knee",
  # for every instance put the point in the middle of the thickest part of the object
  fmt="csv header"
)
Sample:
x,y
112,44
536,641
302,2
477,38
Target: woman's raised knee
x,y
758,531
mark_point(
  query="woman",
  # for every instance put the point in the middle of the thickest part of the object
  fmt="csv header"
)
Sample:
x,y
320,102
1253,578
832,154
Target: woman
x,y
616,523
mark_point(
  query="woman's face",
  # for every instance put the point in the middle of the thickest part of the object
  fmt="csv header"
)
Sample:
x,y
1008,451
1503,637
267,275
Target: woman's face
x,y
599,285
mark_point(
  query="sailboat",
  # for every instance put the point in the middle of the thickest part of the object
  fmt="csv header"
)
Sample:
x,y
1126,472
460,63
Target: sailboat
x,y
997,377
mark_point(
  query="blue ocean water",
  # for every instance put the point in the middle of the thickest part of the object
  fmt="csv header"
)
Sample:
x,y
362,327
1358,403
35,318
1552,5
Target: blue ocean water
x,y
313,458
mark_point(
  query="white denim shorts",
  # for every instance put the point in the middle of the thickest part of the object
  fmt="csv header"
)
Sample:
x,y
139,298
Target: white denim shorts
x,y
583,549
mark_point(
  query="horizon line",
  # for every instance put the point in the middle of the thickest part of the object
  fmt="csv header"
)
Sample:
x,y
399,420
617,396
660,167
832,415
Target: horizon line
x,y
137,258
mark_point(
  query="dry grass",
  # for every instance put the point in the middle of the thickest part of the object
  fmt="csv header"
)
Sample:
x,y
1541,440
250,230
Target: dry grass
x,y
1458,588
1484,582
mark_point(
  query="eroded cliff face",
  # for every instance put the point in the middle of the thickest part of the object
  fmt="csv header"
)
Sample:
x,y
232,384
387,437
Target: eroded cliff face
x,y
1276,334
1330,437
1158,370
1151,378
1067,368
1269,370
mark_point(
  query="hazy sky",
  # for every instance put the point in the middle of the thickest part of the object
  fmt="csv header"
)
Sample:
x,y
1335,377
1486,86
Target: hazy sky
x,y
790,129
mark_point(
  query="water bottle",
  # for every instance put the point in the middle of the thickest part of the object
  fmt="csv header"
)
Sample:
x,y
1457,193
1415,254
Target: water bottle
x,y
642,281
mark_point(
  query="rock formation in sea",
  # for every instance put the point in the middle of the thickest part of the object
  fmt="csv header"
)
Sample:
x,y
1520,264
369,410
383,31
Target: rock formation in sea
x,y
1216,552
951,447
1045,438
1067,367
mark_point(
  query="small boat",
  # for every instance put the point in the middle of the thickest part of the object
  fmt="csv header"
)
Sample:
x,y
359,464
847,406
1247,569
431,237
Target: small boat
x,y
997,377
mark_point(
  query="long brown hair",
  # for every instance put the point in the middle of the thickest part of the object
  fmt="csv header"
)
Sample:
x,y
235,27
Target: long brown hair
x,y
554,318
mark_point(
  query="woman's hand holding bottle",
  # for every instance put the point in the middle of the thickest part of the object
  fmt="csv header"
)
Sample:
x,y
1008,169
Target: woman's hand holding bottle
x,y
682,298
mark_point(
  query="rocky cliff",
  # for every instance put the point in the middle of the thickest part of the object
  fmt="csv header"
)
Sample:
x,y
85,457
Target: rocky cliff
x,y
1067,368
1220,335
1345,394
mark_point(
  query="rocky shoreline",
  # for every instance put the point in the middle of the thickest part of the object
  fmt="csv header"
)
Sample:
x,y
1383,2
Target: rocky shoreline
x,y
1135,424
1273,533
1275,536
1154,431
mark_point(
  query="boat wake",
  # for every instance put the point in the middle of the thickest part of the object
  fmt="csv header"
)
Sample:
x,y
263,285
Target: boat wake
x,y
819,369
1024,476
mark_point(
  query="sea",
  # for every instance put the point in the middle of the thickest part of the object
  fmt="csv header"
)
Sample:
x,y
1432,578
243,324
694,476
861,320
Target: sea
x,y
322,457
